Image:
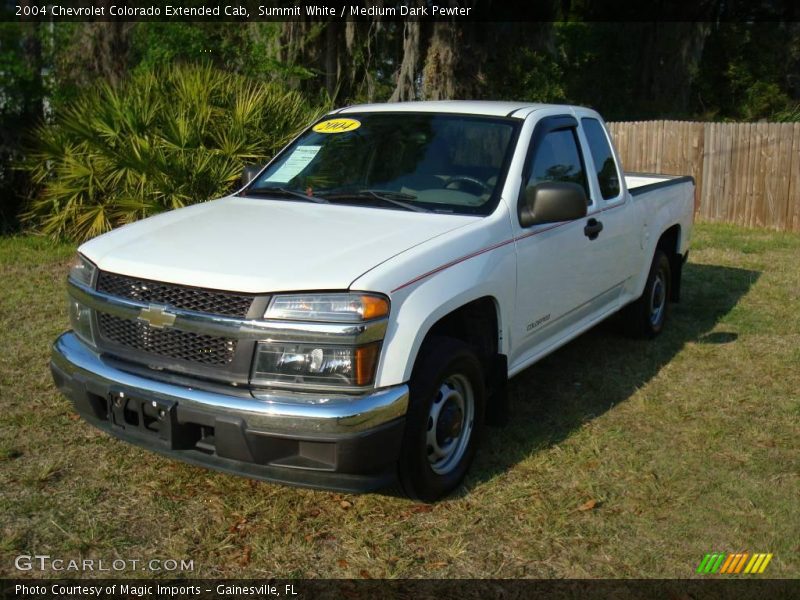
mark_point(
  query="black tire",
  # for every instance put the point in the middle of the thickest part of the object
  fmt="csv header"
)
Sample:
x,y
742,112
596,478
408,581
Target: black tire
x,y
446,370
645,318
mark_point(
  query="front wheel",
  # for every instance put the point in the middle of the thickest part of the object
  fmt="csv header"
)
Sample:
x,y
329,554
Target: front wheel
x,y
444,420
645,317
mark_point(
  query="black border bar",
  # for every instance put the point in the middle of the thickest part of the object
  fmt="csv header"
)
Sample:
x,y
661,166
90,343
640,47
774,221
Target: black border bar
x,y
712,588
253,11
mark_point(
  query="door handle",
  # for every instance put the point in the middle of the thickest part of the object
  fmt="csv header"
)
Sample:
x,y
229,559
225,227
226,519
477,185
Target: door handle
x,y
592,229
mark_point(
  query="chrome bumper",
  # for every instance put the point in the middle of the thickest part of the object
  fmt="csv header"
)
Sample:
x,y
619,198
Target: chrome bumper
x,y
280,413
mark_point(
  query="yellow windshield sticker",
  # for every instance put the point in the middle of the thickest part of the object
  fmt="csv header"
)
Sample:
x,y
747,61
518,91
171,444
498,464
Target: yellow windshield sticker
x,y
336,126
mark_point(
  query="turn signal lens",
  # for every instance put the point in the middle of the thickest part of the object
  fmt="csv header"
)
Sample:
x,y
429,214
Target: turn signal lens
x,y
366,359
82,270
80,318
374,307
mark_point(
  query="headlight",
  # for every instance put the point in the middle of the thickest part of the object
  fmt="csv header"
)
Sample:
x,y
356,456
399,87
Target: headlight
x,y
315,365
338,308
320,364
82,270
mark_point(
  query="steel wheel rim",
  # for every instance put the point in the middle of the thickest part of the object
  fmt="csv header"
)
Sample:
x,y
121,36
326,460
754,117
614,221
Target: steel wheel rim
x,y
450,423
658,299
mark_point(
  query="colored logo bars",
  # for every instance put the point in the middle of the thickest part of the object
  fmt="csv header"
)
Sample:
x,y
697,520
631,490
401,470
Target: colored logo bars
x,y
720,562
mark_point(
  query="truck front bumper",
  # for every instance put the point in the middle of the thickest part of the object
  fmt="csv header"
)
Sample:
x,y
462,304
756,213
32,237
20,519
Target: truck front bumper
x,y
348,443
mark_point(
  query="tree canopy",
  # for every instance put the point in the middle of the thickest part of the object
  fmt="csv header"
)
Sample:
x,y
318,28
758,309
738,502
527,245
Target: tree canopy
x,y
714,69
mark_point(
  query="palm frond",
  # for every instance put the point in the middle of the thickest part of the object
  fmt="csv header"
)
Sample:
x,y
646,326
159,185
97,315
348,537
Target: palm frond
x,y
163,139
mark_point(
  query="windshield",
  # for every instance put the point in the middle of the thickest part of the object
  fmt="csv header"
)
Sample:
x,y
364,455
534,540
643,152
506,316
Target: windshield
x,y
401,161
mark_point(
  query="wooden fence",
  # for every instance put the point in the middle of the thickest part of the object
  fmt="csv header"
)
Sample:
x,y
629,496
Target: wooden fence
x,y
746,173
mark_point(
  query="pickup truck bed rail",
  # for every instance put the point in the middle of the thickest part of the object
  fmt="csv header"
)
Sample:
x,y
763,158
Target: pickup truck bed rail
x,y
636,186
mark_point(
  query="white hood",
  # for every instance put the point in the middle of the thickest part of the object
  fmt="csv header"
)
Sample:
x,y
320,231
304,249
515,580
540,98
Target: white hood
x,y
259,245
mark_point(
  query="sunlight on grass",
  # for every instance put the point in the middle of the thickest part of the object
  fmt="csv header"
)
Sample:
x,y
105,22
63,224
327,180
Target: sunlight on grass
x,y
623,458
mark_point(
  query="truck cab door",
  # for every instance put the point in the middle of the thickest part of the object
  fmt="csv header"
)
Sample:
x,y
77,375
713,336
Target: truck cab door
x,y
617,252
558,287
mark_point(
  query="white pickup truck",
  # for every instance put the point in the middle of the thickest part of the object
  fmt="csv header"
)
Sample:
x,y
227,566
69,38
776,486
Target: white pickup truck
x,y
349,318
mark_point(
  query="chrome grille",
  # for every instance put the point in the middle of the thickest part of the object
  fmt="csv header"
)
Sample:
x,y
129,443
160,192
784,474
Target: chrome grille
x,y
177,296
168,343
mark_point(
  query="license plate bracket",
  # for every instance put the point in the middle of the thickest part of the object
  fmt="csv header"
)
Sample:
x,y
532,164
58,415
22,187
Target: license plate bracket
x,y
156,419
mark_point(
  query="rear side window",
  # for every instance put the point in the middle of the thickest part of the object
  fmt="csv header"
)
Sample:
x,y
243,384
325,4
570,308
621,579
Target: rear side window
x,y
558,158
603,158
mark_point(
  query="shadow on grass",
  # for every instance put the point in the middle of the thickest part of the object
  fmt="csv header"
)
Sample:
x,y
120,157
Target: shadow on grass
x,y
601,369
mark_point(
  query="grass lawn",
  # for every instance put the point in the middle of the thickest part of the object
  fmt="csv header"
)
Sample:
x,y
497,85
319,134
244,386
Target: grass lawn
x,y
623,459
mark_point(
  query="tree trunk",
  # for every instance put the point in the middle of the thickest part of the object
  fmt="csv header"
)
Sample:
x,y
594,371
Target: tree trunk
x,y
406,86
668,59
103,52
439,72
32,109
332,62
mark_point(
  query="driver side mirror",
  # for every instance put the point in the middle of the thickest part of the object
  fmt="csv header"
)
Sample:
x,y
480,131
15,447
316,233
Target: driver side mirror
x,y
249,173
552,202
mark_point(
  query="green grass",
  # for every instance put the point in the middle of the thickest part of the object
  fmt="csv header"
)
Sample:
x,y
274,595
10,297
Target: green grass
x,y
686,445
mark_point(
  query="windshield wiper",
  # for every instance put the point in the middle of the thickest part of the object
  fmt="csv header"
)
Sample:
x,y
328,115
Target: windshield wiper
x,y
388,196
281,191
392,194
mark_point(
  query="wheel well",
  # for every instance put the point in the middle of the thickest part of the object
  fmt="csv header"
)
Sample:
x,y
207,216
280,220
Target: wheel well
x,y
474,323
669,243
477,325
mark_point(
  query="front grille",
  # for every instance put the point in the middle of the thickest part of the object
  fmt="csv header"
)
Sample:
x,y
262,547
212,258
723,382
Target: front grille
x,y
177,296
168,343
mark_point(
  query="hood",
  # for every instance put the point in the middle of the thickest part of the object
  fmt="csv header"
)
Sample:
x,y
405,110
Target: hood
x,y
259,245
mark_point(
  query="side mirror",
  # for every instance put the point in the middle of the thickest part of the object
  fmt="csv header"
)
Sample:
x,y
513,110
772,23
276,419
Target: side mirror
x,y
249,173
552,202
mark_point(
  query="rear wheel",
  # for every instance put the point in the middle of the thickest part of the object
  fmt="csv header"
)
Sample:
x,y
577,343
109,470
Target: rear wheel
x,y
444,420
645,317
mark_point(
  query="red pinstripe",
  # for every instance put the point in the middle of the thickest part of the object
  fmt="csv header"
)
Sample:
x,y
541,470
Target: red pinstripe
x,y
461,259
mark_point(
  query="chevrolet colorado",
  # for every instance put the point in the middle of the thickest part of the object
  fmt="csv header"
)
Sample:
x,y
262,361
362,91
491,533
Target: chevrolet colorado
x,y
349,318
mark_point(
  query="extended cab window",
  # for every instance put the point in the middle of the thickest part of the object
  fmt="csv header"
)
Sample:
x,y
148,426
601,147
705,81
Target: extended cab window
x,y
603,158
558,158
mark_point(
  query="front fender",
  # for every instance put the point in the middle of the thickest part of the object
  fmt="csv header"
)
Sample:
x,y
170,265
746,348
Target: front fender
x,y
417,306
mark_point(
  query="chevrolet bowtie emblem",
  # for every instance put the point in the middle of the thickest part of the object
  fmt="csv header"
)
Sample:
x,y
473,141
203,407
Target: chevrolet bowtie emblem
x,y
156,317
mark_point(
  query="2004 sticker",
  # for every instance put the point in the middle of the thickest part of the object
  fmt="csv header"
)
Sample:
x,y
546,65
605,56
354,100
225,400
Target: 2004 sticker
x,y
336,126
